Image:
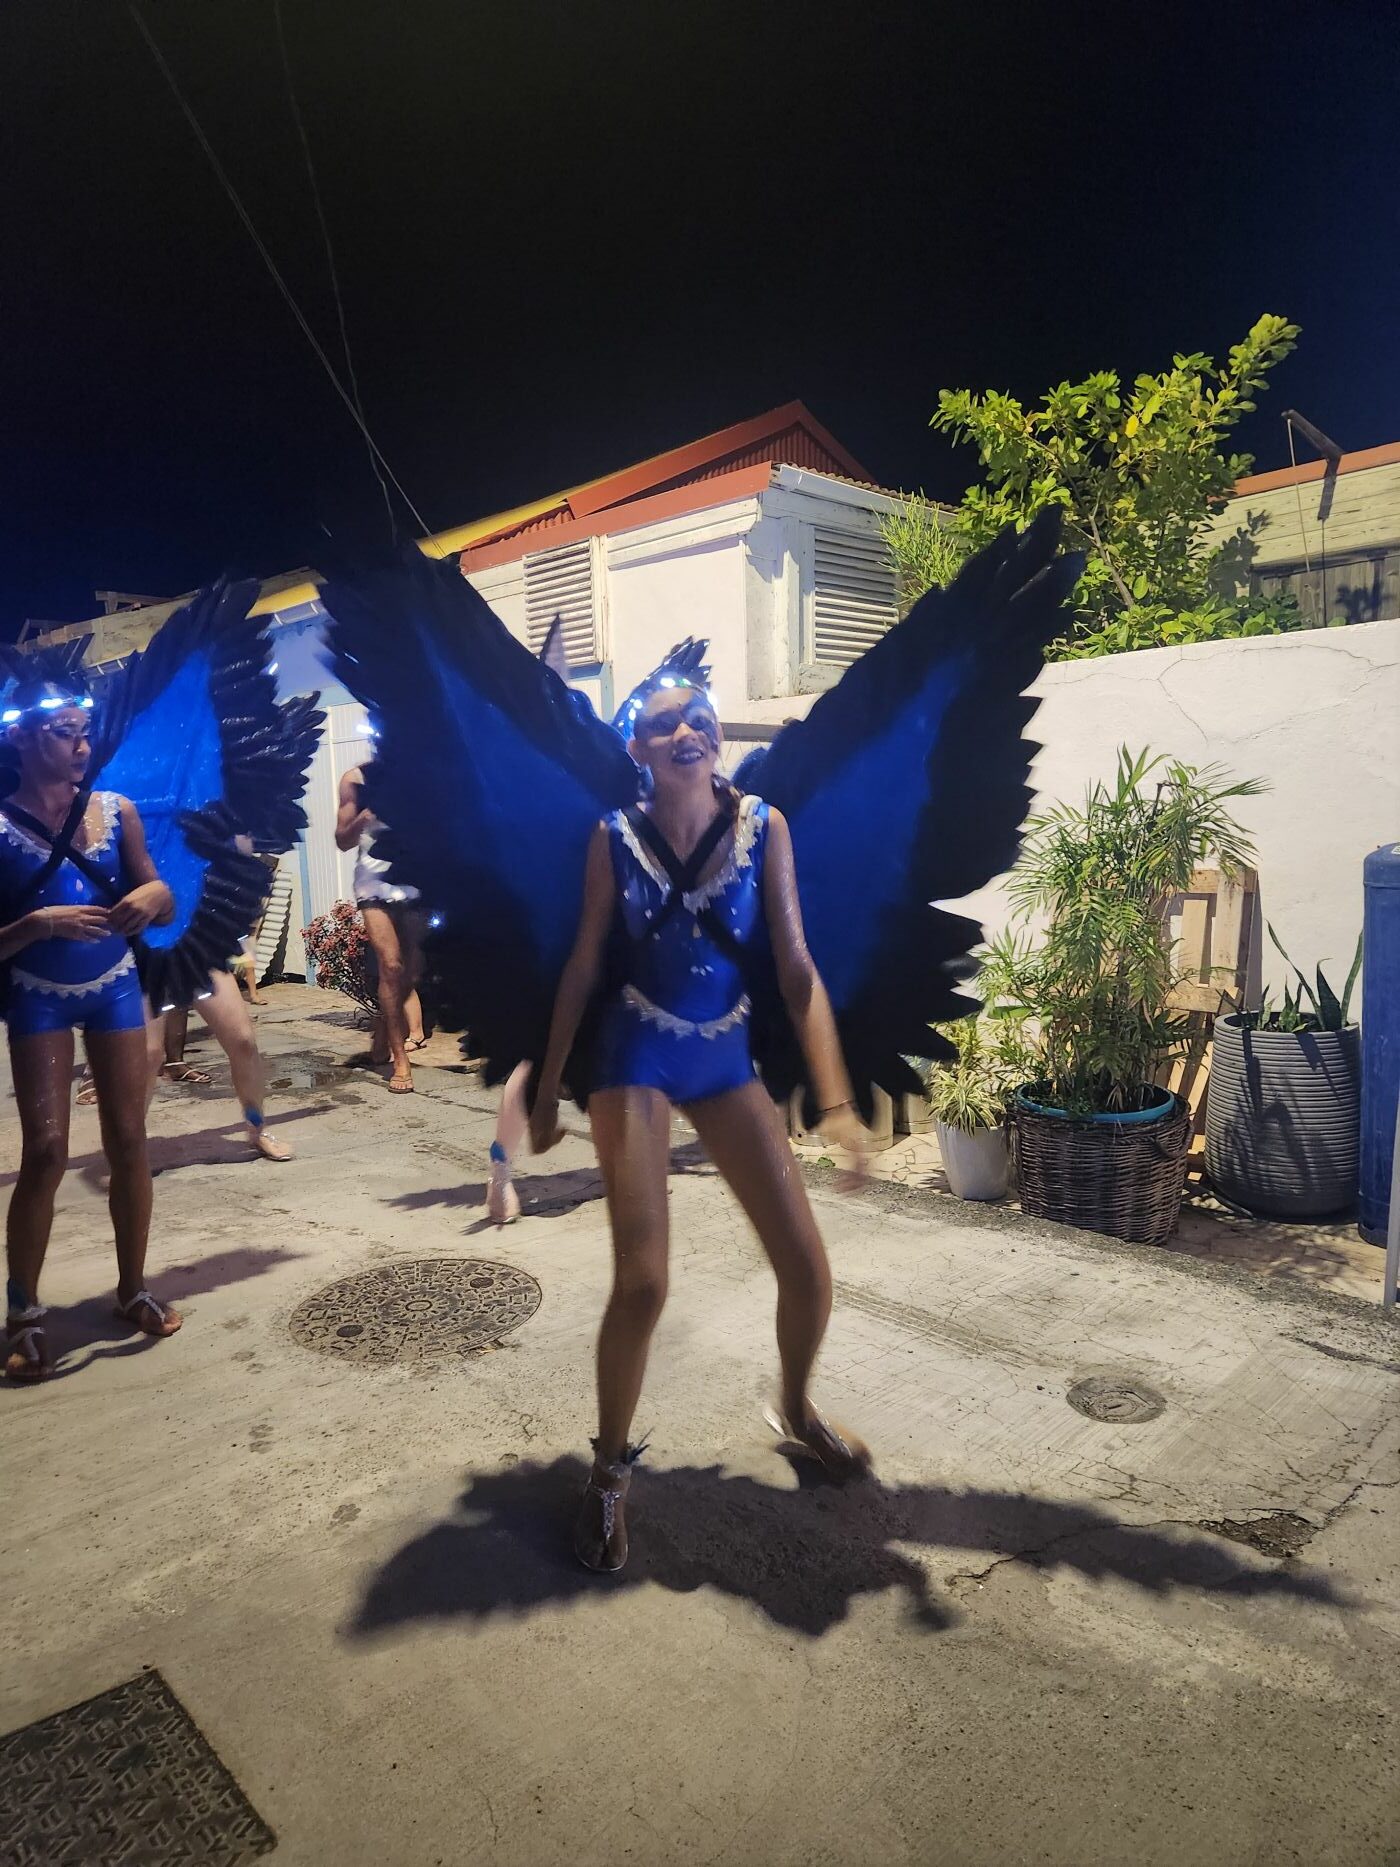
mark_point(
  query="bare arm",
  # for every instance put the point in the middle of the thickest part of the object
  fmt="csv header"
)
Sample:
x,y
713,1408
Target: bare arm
x,y
577,985
351,818
148,902
800,983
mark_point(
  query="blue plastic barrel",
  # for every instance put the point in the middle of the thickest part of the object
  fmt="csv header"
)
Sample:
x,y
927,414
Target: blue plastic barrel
x,y
1380,1039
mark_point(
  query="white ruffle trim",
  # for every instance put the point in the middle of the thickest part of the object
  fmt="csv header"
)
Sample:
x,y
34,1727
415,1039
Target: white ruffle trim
x,y
107,802
74,988
684,1027
740,857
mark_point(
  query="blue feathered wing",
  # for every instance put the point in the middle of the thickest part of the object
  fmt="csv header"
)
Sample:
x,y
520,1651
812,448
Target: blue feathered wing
x,y
491,777
192,732
906,785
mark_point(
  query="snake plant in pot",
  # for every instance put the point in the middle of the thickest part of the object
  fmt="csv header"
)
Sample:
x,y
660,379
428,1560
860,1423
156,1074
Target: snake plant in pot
x,y
1283,1114
1098,1144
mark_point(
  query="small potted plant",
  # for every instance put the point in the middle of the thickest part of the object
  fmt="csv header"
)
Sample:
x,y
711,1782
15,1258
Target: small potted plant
x,y
969,1100
1098,1143
1283,1111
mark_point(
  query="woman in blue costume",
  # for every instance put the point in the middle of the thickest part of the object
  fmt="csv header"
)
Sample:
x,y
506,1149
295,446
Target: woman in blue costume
x,y
675,890
660,958
66,925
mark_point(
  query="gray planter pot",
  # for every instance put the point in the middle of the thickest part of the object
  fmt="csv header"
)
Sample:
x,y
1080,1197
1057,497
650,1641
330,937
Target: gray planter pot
x,y
976,1164
1283,1119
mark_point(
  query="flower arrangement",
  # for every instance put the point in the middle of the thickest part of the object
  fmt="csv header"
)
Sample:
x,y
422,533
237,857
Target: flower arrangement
x,y
339,949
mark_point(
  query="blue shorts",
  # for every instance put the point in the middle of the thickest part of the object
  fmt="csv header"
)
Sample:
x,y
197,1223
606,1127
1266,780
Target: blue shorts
x,y
633,1051
116,1006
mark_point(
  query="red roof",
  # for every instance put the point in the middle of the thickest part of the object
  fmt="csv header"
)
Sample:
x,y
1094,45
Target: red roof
x,y
731,464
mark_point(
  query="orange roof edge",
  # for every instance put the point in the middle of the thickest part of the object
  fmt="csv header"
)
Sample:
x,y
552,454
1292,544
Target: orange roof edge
x,y
738,483
615,488
1385,456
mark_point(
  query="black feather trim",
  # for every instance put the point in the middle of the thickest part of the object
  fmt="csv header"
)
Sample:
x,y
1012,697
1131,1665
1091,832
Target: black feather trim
x,y
266,749
995,620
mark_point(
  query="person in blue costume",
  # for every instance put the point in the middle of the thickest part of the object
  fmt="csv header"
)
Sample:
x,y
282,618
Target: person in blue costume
x,y
77,884
630,925
681,663
676,890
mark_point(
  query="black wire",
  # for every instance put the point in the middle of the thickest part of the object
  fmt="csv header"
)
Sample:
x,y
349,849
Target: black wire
x,y
330,258
271,264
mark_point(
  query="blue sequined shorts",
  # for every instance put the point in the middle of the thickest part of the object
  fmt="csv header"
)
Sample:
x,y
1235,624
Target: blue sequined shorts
x,y
640,1046
116,1004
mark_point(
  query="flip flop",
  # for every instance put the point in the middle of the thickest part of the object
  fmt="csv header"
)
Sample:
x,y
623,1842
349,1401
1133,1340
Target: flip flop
x,y
143,1299
26,1351
185,1073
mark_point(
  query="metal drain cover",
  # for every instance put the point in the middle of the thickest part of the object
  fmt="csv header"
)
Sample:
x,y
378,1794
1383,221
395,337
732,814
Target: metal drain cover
x,y
1117,1398
422,1310
125,1777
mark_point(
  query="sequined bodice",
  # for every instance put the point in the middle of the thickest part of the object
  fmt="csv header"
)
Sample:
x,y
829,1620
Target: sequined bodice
x,y
23,855
681,968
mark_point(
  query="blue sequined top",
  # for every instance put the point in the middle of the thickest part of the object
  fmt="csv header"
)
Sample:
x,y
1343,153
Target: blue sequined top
x,y
65,962
680,970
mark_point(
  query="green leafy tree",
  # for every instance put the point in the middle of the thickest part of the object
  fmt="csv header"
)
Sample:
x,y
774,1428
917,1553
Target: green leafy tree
x,y
1140,474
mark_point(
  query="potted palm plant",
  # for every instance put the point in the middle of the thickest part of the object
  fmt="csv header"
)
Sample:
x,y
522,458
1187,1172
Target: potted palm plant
x,y
1283,1111
969,1099
1098,1143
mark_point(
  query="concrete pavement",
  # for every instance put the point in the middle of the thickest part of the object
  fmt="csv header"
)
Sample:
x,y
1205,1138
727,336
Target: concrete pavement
x,y
1040,1638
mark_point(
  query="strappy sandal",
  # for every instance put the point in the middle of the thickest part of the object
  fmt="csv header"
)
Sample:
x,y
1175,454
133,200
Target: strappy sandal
x,y
839,1452
26,1351
186,1073
87,1092
169,1321
600,1535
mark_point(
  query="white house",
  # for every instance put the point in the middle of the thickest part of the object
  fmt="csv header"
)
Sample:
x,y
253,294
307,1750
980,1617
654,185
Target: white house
x,y
764,537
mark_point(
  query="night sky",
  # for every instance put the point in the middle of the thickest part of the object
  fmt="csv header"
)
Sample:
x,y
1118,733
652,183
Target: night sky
x,y
571,236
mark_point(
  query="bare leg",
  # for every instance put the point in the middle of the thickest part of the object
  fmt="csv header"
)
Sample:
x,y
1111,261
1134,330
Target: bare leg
x,y
227,1017
502,1200
632,1133
155,1050
118,1060
744,1138
411,940
43,1068
388,952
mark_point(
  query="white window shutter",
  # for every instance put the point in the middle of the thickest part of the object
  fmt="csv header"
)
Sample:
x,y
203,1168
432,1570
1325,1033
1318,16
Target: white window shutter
x,y
854,598
563,582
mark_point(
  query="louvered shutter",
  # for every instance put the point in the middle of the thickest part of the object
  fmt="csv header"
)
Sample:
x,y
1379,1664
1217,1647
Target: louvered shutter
x,y
854,600
561,583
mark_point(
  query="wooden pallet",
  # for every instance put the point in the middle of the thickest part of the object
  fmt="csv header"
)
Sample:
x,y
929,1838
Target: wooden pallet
x,y
1213,927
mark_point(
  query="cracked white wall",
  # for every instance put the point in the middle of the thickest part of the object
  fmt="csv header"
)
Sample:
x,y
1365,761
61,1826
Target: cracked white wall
x,y
1316,714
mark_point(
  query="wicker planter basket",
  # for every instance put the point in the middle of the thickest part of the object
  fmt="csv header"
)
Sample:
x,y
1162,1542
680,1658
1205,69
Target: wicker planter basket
x,y
1121,1177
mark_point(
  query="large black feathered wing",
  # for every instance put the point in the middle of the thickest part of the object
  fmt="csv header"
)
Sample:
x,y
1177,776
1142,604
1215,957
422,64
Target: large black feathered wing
x,y
491,777
192,732
906,785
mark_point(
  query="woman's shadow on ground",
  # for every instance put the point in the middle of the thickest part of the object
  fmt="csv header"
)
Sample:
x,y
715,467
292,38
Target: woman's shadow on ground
x,y
801,1557
542,1195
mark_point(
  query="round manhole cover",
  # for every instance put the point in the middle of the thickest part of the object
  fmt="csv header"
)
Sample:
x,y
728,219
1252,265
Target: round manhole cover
x,y
1116,1397
419,1311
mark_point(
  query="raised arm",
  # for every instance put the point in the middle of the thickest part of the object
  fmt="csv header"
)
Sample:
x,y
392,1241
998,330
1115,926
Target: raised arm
x,y
351,819
147,901
577,984
805,996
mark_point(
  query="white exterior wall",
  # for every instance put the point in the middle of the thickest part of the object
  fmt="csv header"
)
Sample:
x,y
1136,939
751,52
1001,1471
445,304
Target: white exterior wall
x,y
1316,714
